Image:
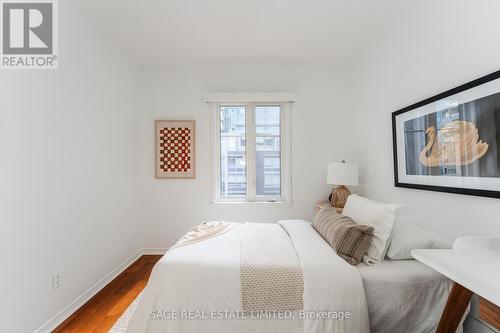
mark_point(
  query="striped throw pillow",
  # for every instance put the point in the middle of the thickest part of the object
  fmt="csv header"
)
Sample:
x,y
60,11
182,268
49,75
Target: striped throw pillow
x,y
349,239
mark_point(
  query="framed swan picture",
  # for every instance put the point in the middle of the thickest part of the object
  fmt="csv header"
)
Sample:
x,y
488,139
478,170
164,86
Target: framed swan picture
x,y
451,142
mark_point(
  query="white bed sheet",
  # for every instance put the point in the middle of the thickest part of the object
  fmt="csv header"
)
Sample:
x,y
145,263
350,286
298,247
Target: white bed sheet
x,y
404,296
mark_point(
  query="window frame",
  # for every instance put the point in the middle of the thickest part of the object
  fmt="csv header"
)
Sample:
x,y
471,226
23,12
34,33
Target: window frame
x,y
250,152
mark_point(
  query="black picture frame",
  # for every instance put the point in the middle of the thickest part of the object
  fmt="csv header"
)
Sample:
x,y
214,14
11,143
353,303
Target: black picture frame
x,y
457,190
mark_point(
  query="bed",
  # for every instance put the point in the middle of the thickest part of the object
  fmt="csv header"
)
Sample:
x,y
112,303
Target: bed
x,y
199,288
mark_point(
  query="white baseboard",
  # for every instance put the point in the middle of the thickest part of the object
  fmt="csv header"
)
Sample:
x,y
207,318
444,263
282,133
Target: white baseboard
x,y
58,319
156,251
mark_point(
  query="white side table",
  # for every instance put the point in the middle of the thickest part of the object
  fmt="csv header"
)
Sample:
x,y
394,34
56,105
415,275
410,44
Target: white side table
x,y
474,266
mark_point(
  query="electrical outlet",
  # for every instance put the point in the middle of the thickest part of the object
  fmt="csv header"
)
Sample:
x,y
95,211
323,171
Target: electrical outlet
x,y
56,280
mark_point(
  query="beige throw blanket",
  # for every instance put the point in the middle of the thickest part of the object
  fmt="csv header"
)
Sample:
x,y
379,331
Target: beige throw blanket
x,y
204,231
270,270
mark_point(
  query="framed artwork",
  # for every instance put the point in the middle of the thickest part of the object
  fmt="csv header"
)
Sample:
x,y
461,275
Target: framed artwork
x,y
175,148
451,142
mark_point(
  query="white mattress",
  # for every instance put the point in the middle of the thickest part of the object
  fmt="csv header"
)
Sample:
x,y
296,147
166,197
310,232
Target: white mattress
x,y
404,296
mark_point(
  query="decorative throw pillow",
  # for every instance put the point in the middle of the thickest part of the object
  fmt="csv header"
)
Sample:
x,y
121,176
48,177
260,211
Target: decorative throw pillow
x,y
349,239
378,215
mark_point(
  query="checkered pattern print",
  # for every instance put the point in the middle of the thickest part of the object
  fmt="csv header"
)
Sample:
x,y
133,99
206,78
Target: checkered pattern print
x,y
175,149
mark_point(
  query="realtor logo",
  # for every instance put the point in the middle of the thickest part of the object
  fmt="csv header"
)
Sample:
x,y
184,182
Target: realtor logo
x,y
28,34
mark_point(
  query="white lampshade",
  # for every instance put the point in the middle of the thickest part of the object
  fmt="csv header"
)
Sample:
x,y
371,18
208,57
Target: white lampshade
x,y
341,173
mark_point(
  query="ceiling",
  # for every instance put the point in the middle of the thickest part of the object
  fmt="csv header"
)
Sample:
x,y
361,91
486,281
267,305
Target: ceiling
x,y
166,32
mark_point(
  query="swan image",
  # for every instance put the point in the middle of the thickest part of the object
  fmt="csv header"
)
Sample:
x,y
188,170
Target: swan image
x,y
455,144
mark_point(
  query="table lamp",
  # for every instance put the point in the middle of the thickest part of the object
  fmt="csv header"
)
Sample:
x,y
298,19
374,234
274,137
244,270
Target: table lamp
x,y
341,174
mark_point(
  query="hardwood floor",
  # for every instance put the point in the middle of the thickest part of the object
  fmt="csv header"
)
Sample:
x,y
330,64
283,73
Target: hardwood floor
x,y
103,310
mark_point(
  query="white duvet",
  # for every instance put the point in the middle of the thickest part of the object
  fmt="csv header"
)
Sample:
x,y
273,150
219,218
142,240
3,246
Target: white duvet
x,y
196,288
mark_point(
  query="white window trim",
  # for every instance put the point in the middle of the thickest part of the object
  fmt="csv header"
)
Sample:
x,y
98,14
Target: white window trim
x,y
249,97
285,136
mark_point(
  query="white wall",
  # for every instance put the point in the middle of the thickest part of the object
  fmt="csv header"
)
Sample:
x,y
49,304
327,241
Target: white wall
x,y
318,126
434,46
67,168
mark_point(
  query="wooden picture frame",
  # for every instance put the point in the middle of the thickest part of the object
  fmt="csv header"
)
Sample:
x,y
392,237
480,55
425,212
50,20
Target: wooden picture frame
x,y
175,142
451,142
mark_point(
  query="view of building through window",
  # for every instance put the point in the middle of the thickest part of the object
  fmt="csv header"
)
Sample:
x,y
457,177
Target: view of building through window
x,y
232,152
268,152
233,158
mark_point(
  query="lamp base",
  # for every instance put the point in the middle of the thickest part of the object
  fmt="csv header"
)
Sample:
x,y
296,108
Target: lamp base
x,y
339,195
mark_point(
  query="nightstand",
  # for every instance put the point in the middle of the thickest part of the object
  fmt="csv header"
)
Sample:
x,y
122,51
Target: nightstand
x,y
474,266
321,204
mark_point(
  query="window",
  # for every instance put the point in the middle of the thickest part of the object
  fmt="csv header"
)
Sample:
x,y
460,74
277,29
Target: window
x,y
251,152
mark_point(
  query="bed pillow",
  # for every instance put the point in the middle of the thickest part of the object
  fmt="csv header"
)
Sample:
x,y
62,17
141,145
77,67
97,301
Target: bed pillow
x,y
380,216
349,239
407,236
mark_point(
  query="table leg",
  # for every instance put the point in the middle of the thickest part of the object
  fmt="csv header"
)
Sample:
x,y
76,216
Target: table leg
x,y
453,312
